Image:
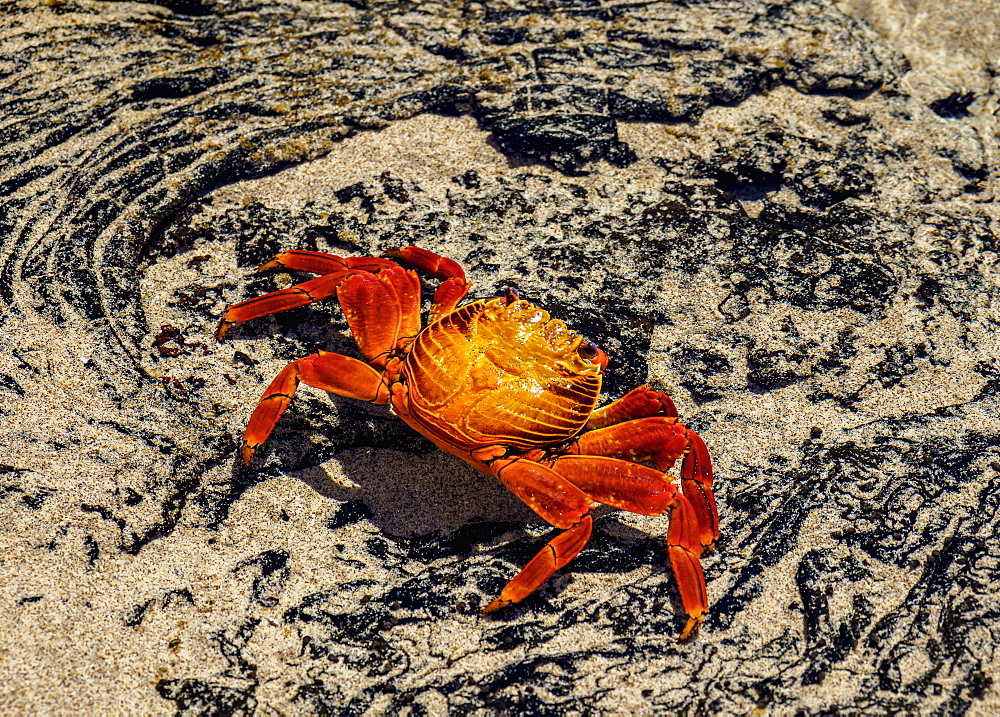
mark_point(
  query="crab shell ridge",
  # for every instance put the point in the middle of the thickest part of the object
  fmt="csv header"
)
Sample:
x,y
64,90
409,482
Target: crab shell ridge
x,y
499,373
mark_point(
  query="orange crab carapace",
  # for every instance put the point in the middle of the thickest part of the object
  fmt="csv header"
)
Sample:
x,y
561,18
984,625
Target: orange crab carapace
x,y
502,386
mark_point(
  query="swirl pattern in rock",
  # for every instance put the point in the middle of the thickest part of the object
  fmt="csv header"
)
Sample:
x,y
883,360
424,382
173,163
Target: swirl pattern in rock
x,y
752,205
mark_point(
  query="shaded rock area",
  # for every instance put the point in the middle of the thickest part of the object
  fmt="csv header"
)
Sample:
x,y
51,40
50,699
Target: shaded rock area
x,y
782,215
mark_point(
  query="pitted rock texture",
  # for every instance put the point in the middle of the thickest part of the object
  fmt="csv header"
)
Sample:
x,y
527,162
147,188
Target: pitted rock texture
x,y
762,208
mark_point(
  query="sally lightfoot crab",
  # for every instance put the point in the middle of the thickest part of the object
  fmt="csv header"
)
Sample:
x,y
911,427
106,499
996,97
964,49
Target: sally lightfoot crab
x,y
502,386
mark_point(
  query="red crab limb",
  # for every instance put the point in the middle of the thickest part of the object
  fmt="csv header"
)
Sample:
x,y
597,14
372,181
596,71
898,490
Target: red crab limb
x,y
379,308
338,374
559,503
319,262
556,554
640,402
657,440
407,287
562,494
293,297
696,480
646,491
429,263
453,287
684,549
333,268
661,440
618,483
446,297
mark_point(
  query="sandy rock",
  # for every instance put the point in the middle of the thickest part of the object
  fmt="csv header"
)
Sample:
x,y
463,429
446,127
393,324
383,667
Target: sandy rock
x,y
783,214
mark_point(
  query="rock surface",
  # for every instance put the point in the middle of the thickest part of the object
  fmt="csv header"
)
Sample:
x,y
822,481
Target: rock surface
x,y
785,217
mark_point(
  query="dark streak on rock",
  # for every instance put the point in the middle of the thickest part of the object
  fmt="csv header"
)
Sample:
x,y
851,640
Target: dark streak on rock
x,y
554,86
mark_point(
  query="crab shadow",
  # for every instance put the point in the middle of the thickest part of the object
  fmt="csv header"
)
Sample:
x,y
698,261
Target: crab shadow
x,y
410,494
429,503
432,496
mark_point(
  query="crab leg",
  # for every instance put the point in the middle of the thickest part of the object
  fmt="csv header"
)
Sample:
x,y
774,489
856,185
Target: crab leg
x,y
333,268
559,503
696,480
638,403
685,552
319,262
327,371
308,292
646,491
453,285
562,493
662,441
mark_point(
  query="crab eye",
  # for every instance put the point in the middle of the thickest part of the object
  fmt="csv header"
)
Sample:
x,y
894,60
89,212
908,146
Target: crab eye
x,y
589,351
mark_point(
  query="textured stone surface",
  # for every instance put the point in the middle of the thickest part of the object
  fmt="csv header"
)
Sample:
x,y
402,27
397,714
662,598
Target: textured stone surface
x,y
784,219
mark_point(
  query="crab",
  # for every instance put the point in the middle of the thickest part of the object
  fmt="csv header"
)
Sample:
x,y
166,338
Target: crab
x,y
514,393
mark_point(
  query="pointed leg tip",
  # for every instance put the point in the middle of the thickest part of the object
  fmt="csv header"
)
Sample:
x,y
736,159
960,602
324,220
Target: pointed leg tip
x,y
222,330
496,605
690,629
